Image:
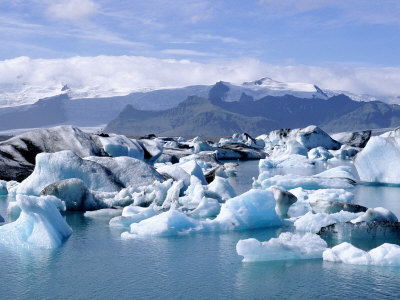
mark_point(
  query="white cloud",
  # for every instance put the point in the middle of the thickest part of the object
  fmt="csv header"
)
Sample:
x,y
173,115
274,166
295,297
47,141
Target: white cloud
x,y
72,10
24,80
186,52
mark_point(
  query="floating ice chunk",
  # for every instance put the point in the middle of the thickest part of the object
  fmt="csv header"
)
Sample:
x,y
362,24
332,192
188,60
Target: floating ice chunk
x,y
253,209
230,169
145,195
377,214
132,214
104,213
203,146
120,145
384,255
343,172
207,208
1,219
287,162
314,222
52,167
319,153
172,198
167,223
283,200
331,207
292,181
192,168
347,254
371,232
123,169
74,193
176,173
333,195
355,139
39,225
222,187
375,162
153,149
250,210
287,246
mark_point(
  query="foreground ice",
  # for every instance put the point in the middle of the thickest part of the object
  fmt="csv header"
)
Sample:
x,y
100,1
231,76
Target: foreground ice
x,y
384,255
39,225
287,246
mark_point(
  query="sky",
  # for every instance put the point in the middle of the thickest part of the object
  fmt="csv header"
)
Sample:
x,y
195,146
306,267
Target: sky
x,y
337,44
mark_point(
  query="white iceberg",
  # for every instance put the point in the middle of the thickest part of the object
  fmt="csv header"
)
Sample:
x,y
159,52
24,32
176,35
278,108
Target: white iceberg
x,y
375,163
40,225
120,145
384,255
103,213
314,222
207,208
168,223
132,214
377,214
319,153
287,246
251,210
52,167
222,187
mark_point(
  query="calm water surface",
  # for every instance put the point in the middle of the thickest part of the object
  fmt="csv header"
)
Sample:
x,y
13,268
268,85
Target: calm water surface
x,y
95,263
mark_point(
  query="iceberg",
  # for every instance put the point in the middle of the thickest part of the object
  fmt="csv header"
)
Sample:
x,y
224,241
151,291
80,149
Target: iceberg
x,y
222,187
319,153
283,200
104,213
375,162
40,225
250,210
384,255
132,214
314,222
52,167
168,223
207,208
120,145
74,193
287,246
292,181
124,167
377,214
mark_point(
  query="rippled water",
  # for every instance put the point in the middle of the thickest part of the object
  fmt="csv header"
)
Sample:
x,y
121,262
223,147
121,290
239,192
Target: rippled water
x,y
95,263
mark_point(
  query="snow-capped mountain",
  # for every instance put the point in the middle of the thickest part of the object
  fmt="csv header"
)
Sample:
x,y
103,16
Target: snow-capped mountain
x,y
22,93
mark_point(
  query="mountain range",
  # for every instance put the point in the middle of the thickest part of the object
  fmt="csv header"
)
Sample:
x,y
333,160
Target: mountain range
x,y
263,103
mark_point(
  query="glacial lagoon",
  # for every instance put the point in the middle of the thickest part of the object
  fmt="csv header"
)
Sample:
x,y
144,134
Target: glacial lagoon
x,y
96,263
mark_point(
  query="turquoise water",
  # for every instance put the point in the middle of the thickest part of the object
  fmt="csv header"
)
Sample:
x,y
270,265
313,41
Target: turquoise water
x,y
95,263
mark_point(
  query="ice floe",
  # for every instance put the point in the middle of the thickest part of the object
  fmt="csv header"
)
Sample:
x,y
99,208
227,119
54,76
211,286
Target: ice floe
x,y
287,246
384,255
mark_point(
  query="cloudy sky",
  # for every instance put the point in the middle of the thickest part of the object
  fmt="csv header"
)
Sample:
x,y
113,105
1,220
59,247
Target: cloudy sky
x,y
338,44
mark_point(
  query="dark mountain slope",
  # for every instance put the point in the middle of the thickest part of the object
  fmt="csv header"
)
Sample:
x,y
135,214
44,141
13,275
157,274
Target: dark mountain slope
x,y
195,116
